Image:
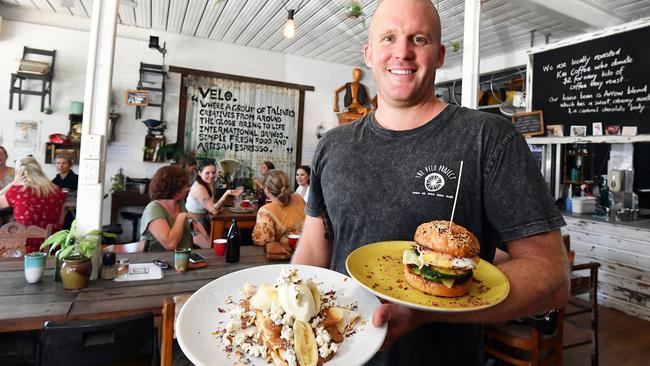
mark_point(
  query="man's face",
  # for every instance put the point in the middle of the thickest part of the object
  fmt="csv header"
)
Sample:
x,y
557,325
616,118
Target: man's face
x,y
404,52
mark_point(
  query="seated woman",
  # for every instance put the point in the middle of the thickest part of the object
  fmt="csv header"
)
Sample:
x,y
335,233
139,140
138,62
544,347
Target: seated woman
x,y
302,178
164,221
283,216
36,200
258,181
6,172
200,200
65,178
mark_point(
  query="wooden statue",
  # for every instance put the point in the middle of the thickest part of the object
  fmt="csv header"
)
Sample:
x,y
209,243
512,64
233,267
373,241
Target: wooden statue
x,y
355,99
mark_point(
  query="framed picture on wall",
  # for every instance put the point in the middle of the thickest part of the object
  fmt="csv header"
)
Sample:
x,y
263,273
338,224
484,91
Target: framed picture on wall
x,y
597,128
555,130
137,97
578,130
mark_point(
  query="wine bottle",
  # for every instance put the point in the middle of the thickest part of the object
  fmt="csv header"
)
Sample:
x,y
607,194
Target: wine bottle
x,y
233,243
261,199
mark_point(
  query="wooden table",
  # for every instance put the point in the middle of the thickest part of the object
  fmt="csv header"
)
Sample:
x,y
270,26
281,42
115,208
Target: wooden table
x,y
222,220
25,306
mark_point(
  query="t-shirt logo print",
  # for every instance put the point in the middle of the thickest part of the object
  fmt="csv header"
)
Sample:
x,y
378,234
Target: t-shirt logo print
x,y
434,182
433,178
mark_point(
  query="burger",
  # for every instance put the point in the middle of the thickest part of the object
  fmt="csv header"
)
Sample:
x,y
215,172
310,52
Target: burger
x,y
442,260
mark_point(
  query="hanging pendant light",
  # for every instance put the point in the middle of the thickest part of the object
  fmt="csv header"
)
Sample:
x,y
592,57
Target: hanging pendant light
x,y
290,26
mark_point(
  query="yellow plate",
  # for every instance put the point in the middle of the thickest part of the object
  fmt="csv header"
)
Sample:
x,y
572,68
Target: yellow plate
x,y
378,267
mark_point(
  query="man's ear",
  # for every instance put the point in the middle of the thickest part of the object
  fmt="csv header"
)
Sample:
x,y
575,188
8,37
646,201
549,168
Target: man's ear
x,y
442,50
366,56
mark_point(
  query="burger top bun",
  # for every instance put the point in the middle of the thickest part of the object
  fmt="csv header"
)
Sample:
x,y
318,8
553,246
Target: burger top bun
x,y
457,242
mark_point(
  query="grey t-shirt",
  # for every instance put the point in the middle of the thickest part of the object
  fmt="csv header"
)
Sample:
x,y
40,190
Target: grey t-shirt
x,y
377,185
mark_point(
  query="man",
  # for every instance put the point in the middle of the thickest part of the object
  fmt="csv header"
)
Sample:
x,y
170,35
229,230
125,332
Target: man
x,y
377,179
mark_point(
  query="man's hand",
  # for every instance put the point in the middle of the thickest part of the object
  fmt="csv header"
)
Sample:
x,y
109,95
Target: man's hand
x,y
400,319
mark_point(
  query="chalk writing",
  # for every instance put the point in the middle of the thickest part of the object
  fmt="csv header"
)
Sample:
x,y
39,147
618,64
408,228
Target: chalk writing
x,y
225,124
595,79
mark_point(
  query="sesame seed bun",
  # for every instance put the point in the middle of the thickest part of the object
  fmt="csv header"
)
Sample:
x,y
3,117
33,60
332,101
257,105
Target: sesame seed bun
x,y
435,288
457,242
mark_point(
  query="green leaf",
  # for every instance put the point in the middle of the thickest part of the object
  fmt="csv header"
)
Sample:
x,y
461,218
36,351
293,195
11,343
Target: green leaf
x,y
55,238
66,252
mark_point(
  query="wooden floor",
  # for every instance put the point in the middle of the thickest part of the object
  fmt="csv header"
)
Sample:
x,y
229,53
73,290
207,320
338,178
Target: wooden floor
x,y
624,339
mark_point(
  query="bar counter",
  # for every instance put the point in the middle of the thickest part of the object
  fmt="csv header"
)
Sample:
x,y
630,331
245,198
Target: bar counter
x,y
623,250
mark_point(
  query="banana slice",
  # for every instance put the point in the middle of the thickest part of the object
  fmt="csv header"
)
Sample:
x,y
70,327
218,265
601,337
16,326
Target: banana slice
x,y
266,295
297,301
305,344
316,294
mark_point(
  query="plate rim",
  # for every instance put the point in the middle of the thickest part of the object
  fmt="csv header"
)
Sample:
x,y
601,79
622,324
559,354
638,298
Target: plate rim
x,y
429,308
383,329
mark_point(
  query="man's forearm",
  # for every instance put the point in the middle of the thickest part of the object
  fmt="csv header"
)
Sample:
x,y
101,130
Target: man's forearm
x,y
313,249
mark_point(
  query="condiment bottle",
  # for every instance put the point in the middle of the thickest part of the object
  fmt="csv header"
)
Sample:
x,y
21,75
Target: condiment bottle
x,y
261,200
109,268
123,267
233,244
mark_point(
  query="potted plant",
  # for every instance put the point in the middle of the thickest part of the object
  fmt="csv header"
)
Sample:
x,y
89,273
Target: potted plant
x,y
74,251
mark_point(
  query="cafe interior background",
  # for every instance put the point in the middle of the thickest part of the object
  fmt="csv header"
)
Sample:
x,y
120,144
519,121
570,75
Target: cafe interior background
x,y
245,38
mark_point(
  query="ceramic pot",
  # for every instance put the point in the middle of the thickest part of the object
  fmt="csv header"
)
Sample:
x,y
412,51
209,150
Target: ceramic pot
x,y
75,272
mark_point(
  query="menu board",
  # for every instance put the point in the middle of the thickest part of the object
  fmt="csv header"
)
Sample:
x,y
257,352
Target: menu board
x,y
601,80
529,124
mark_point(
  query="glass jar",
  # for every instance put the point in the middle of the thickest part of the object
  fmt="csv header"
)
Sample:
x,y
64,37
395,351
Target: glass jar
x,y
122,267
109,268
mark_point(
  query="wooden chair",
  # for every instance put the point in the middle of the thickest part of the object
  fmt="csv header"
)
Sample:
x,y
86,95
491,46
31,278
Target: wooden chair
x,y
13,238
580,285
122,341
136,247
523,344
167,331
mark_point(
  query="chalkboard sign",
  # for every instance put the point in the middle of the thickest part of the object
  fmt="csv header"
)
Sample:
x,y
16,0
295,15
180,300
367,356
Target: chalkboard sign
x,y
137,97
529,124
600,80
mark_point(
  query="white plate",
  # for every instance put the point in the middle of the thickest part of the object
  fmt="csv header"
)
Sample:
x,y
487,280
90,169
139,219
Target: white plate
x,y
200,316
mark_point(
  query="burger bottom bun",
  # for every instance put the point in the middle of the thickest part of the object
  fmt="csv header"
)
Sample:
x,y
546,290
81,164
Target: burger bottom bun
x,y
435,288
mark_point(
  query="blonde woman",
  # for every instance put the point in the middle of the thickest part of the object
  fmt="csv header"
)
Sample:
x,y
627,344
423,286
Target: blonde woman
x,y
283,216
36,200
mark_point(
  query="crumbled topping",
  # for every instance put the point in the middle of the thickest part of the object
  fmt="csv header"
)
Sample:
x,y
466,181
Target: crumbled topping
x,y
248,290
326,349
322,336
290,356
243,339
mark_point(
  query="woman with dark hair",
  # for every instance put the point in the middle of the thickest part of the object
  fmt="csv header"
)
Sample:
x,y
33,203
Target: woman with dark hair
x,y
302,179
200,201
164,221
258,181
283,216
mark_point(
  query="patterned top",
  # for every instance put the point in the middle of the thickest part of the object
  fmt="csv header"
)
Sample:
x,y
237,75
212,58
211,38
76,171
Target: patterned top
x,y
29,209
274,221
6,180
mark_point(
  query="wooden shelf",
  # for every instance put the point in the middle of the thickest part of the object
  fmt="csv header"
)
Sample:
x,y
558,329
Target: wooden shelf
x,y
587,140
151,145
71,149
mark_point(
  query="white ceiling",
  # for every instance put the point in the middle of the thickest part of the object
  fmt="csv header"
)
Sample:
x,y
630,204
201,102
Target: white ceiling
x,y
324,32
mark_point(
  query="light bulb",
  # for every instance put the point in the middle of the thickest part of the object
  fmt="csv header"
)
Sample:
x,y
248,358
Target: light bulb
x,y
290,27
